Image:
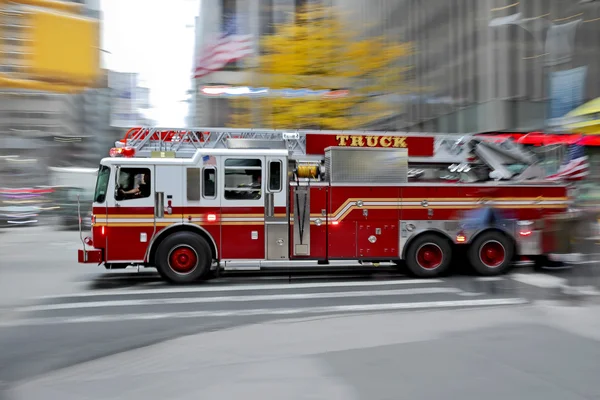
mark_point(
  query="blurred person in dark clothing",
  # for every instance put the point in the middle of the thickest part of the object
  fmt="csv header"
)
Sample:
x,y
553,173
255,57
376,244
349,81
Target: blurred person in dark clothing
x,y
141,191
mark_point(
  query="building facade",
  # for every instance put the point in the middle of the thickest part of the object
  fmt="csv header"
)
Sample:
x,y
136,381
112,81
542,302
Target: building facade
x,y
493,65
41,129
479,65
29,124
253,17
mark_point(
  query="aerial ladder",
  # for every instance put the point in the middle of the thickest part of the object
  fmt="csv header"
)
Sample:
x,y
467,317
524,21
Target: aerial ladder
x,y
461,154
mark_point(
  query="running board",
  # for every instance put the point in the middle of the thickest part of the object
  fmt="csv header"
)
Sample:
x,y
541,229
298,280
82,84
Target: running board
x,y
257,265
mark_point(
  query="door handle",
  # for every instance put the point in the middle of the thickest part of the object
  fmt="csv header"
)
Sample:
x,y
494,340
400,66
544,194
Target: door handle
x,y
269,205
159,204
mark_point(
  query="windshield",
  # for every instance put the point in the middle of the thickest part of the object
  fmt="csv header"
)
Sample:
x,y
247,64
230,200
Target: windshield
x,y
102,184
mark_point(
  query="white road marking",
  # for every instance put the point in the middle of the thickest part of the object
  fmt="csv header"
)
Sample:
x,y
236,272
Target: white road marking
x,y
489,278
225,299
587,290
585,262
235,288
258,312
545,281
540,280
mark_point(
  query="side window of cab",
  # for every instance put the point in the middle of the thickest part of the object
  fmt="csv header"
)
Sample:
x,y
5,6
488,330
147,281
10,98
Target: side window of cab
x,y
133,183
243,179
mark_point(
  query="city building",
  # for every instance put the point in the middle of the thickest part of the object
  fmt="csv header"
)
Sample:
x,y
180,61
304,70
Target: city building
x,y
479,65
253,17
41,129
29,123
492,65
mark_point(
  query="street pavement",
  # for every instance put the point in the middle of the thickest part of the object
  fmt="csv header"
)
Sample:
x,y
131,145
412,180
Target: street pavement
x,y
59,316
539,351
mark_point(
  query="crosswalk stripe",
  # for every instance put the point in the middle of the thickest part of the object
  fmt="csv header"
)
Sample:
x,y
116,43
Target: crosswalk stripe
x,y
539,280
223,299
267,311
489,278
234,287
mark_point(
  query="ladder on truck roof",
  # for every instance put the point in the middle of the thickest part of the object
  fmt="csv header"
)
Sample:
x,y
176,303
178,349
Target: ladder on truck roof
x,y
448,148
184,142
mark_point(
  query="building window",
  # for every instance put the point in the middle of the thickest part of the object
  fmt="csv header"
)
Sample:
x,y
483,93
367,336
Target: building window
x,y
267,10
229,25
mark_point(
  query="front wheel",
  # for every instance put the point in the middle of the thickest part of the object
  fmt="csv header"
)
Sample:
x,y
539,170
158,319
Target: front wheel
x,y
491,253
183,257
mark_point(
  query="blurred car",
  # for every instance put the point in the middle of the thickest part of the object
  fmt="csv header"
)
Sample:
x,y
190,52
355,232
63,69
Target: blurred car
x,y
67,208
18,216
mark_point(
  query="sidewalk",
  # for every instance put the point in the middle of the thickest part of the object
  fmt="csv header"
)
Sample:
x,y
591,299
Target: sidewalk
x,y
352,357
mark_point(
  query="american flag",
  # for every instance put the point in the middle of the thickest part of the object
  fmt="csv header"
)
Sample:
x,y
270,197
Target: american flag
x,y
209,160
575,166
227,47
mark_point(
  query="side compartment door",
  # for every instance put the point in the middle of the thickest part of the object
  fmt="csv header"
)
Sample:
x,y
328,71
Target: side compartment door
x,y
242,207
308,209
276,216
130,213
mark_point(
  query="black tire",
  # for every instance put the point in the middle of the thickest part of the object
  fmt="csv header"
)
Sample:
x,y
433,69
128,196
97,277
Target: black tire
x,y
429,256
183,257
491,253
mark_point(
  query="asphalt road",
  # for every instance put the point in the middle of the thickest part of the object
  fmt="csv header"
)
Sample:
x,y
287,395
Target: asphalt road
x,y
56,314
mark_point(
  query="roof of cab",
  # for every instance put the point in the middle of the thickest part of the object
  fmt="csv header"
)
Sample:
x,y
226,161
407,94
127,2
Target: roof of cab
x,y
196,158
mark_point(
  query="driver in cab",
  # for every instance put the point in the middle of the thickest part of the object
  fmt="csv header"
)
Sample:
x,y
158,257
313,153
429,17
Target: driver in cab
x,y
140,191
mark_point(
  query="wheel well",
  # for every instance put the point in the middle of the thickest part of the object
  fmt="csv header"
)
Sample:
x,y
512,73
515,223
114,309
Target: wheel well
x,y
181,228
428,232
511,239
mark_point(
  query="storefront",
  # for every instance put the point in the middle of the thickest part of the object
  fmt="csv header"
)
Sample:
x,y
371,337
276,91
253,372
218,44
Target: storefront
x,y
584,119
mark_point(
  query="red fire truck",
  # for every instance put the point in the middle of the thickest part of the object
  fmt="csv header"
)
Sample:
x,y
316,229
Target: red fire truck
x,y
192,202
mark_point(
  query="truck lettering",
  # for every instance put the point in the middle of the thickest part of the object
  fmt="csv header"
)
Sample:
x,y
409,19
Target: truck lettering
x,y
342,139
400,142
357,141
371,141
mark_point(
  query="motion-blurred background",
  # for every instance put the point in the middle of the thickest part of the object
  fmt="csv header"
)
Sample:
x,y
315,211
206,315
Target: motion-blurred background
x,y
75,75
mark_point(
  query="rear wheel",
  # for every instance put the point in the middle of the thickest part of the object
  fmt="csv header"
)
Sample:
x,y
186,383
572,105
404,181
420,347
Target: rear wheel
x,y
183,257
491,253
429,256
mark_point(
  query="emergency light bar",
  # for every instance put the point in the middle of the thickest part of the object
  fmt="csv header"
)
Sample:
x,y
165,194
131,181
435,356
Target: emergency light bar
x,y
122,152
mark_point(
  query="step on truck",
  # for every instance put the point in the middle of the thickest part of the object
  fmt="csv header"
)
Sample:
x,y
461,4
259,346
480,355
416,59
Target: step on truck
x,y
194,202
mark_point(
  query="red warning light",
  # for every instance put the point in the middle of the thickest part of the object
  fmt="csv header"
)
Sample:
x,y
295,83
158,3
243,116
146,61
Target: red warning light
x,y
122,152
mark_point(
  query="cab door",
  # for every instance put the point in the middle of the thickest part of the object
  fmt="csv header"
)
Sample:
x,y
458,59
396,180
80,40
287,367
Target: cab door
x,y
130,218
276,213
242,207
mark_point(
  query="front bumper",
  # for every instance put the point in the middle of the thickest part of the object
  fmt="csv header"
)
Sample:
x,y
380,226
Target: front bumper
x,y
93,256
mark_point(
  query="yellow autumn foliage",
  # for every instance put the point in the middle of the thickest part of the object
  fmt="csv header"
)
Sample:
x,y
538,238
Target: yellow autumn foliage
x,y
317,52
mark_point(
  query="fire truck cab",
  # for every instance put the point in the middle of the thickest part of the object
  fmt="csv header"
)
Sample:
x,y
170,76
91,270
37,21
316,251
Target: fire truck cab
x,y
254,205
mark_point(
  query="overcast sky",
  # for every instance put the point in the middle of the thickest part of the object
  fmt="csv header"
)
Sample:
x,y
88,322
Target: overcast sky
x,y
156,39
